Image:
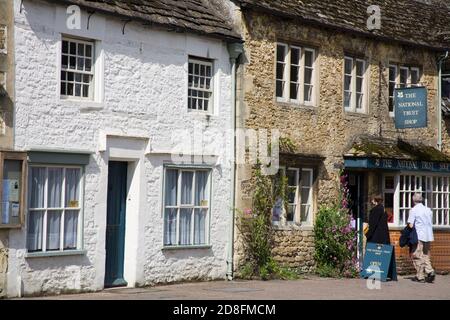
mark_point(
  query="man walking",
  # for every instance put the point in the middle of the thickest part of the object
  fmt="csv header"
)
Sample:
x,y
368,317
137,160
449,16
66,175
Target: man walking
x,y
421,218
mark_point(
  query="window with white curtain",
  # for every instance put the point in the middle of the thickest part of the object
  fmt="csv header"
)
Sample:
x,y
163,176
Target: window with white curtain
x,y
300,198
54,208
186,206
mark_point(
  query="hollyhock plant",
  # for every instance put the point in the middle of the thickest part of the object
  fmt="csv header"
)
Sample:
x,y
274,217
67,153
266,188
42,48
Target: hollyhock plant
x,y
336,237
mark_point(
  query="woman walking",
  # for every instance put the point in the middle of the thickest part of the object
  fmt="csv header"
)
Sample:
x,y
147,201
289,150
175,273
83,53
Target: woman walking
x,y
378,223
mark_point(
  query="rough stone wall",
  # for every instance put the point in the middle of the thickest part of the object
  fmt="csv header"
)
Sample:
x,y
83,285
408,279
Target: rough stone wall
x,y
6,112
3,262
294,249
325,129
145,95
6,74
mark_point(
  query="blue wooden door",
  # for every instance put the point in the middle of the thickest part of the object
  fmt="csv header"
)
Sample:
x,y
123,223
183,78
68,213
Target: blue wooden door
x,y
115,225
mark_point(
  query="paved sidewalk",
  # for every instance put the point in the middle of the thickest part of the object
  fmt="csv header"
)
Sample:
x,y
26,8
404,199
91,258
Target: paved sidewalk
x,y
310,288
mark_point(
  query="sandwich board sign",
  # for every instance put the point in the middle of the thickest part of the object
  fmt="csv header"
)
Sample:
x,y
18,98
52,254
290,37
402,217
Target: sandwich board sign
x,y
379,262
410,105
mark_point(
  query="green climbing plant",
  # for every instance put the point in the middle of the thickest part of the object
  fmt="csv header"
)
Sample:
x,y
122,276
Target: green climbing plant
x,y
255,225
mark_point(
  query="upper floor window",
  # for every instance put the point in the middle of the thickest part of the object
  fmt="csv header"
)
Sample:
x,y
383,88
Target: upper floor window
x,y
77,70
355,85
200,87
401,77
295,74
300,198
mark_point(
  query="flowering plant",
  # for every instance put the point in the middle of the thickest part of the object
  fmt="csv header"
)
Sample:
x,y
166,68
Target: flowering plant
x,y
336,237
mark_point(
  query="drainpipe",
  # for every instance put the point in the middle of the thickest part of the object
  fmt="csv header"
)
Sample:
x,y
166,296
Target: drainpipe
x,y
234,50
439,110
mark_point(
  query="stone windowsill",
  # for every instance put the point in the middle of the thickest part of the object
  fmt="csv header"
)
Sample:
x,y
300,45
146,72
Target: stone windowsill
x,y
207,246
55,254
202,114
296,105
356,114
84,105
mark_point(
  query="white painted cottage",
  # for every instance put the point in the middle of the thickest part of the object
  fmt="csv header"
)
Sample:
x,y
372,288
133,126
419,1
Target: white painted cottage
x,y
126,122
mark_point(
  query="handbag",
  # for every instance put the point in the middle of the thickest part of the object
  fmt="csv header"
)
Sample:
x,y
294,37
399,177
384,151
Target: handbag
x,y
365,228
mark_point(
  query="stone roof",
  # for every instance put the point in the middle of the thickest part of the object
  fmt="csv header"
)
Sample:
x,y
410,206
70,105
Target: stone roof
x,y
206,17
375,147
418,22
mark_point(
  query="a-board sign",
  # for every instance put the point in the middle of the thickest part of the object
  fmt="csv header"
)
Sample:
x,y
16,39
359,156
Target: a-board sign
x,y
379,262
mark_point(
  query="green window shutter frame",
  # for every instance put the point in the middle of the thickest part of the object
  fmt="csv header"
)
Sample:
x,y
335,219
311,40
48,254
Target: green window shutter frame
x,y
44,157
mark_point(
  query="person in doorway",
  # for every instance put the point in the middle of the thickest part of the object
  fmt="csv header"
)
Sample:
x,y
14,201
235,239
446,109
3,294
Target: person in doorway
x,y
378,223
421,218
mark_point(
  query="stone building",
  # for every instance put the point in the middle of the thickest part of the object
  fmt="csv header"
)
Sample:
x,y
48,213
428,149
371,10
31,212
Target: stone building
x,y
124,112
323,73
6,126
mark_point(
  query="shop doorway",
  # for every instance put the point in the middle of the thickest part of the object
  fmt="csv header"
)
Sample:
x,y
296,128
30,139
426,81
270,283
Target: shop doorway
x,y
357,191
115,225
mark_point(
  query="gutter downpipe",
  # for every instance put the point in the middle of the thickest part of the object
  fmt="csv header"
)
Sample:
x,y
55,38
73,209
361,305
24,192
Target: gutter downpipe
x,y
234,50
439,110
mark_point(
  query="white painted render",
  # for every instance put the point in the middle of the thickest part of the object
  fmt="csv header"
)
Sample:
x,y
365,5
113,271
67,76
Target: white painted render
x,y
139,115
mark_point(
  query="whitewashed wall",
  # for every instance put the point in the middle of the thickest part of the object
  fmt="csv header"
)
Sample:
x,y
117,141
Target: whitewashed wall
x,y
142,93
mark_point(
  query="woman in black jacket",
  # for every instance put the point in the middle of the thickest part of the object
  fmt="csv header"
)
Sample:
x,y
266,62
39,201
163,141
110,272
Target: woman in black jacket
x,y
378,223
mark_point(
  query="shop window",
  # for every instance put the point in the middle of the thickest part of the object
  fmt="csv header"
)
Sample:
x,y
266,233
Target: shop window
x,y
295,74
434,188
299,208
54,208
401,77
186,207
13,175
355,85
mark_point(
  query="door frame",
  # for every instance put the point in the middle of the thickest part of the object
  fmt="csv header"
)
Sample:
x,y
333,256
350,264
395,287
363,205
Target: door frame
x,y
132,150
362,189
120,241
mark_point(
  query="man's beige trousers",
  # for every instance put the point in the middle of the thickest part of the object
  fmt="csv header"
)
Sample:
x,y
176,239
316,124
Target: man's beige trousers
x,y
421,259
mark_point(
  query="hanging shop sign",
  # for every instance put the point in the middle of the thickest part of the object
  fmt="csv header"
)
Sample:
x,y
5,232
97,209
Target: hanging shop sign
x,y
410,105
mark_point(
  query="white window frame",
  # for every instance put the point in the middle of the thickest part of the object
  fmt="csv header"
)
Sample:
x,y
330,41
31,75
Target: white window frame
x,y
91,74
402,208
398,69
207,63
298,200
192,206
80,209
310,203
353,86
286,96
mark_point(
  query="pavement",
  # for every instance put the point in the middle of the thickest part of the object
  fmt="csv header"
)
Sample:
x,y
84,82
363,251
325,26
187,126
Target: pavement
x,y
309,288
